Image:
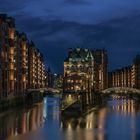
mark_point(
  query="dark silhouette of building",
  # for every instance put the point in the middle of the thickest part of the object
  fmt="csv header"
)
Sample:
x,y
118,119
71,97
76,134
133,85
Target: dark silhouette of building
x,y
50,78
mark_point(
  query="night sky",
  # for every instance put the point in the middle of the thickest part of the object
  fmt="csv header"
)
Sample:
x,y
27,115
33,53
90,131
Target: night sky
x,y
56,25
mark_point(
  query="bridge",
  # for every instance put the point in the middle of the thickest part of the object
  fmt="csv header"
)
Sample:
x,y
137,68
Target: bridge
x,y
121,90
42,90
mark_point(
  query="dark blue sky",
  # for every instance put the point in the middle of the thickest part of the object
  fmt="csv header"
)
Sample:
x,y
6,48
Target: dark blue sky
x,y
56,25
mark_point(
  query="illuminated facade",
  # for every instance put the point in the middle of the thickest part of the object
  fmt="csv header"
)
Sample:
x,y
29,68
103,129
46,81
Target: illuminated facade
x,y
36,68
136,72
22,63
42,71
85,70
8,56
120,77
33,66
101,69
79,71
16,63
127,76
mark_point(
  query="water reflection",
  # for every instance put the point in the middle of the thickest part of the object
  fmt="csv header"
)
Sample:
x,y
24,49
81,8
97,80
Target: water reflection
x,y
90,127
119,119
124,106
20,122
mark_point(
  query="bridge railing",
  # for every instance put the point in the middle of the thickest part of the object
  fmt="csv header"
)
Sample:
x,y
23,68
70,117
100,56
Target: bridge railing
x,y
121,90
45,90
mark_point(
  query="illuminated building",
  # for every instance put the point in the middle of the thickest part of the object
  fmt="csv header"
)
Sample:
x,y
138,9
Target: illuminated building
x,y
7,57
32,66
136,72
120,77
86,70
21,64
127,76
41,71
101,69
36,68
38,76
79,71
42,75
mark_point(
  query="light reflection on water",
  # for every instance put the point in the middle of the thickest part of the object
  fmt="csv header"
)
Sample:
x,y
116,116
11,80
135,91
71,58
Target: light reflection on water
x,y
119,119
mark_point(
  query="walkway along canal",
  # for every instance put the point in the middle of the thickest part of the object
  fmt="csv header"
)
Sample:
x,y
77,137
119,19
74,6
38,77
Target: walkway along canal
x,y
79,103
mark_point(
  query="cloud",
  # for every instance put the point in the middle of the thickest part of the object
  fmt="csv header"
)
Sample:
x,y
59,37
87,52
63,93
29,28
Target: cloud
x,y
76,2
11,7
82,11
55,26
54,37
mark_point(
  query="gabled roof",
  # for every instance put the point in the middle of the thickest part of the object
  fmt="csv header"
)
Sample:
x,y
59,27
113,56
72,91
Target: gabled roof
x,y
80,54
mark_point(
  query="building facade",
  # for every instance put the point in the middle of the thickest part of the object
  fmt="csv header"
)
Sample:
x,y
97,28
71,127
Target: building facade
x,y
7,57
126,76
21,67
79,71
22,63
101,69
85,70
136,72
120,77
58,81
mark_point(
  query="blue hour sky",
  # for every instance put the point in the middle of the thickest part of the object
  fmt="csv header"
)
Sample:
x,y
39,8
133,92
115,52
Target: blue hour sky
x,y
57,25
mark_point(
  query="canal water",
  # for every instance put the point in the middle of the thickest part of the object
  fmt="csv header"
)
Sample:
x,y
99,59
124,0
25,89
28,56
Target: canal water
x,y
117,119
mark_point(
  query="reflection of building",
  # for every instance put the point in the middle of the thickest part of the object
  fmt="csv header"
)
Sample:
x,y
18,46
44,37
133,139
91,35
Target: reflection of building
x,y
127,76
126,107
22,123
85,69
21,67
94,120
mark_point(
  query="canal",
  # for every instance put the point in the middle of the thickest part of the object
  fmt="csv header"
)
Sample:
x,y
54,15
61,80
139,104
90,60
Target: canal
x,y
117,119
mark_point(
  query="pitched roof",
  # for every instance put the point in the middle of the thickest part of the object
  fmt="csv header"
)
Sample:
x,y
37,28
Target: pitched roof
x,y
80,54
